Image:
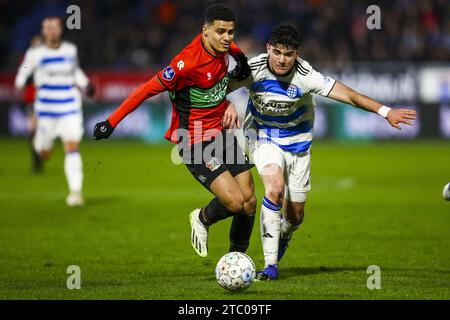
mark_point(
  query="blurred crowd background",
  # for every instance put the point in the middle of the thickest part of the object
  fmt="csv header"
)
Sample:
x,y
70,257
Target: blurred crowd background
x,y
121,44
124,35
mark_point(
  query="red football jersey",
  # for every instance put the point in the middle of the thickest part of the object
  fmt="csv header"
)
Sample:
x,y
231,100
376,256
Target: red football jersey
x,y
197,83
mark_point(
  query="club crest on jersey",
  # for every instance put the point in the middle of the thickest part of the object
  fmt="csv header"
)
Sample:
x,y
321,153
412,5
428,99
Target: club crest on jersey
x,y
213,164
168,73
292,91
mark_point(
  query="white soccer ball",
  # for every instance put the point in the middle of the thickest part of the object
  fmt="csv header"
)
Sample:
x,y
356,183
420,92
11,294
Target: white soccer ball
x,y
235,271
446,192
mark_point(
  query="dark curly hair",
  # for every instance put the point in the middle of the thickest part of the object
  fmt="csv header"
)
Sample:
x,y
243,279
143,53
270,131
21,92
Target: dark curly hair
x,y
284,35
218,12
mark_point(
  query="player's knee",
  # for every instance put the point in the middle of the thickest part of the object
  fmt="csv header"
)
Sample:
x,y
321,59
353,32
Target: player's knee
x,y
236,206
71,146
250,205
236,203
275,193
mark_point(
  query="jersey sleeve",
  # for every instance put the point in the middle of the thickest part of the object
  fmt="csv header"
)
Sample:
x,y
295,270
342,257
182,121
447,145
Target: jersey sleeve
x,y
26,68
134,100
319,84
176,75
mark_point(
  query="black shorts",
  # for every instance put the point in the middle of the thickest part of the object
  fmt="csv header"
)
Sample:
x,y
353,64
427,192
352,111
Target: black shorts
x,y
209,159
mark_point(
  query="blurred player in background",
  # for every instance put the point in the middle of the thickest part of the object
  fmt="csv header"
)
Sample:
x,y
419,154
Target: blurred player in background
x,y
27,100
197,81
57,105
279,132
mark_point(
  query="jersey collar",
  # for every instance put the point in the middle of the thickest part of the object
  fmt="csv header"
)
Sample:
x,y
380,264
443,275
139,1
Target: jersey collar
x,y
215,55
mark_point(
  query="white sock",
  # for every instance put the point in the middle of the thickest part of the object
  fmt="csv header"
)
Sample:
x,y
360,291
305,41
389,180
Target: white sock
x,y
73,168
287,229
270,230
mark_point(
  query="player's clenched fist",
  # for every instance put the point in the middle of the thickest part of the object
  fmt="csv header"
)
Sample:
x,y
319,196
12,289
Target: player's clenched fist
x,y
103,130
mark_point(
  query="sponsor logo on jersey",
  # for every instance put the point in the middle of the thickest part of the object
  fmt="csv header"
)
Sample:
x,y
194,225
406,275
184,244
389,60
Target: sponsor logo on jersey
x,y
209,75
207,98
213,164
168,73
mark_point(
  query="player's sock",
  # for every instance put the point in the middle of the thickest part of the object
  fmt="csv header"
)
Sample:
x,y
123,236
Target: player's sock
x,y
270,230
213,212
240,232
287,229
73,168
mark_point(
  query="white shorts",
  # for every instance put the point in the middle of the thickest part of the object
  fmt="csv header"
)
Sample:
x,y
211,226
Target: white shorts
x,y
296,168
68,128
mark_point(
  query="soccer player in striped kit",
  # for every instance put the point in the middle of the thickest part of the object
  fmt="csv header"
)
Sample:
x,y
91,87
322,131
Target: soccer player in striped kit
x,y
279,133
57,77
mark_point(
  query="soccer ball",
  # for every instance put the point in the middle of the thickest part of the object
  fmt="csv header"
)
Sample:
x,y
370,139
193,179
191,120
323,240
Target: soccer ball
x,y
235,271
446,192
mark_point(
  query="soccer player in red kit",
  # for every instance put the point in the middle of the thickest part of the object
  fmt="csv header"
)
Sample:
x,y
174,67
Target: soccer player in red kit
x,y
197,80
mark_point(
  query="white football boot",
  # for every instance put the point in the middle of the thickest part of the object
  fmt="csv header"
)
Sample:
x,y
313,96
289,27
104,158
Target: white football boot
x,y
75,199
199,234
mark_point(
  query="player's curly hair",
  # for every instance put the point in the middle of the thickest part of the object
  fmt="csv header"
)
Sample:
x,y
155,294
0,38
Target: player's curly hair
x,y
284,35
218,12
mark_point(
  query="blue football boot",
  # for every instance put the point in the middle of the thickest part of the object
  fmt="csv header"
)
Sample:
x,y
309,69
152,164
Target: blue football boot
x,y
268,273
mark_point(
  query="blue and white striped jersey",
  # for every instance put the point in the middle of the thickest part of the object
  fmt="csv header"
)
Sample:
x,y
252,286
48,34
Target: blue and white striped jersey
x,y
56,74
281,109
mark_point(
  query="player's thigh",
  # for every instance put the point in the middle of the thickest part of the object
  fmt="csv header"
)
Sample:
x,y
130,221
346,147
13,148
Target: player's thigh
x,y
270,162
297,176
265,156
70,130
228,191
45,135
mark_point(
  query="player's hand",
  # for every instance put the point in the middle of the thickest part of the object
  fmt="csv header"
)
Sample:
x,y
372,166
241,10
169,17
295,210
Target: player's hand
x,y
230,118
397,116
242,70
103,130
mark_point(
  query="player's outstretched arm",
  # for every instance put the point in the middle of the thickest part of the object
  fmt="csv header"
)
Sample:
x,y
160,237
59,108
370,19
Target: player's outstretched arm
x,y
395,117
104,129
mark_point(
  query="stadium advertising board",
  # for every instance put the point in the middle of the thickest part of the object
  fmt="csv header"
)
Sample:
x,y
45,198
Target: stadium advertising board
x,y
425,89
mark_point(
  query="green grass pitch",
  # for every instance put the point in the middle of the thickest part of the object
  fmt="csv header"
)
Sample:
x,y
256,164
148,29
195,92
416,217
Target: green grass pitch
x,y
371,204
